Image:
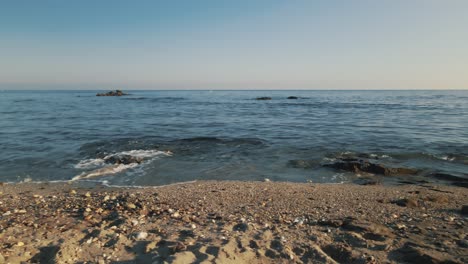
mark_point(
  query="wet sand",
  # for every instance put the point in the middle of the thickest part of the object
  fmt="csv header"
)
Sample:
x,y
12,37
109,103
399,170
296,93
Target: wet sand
x,y
233,222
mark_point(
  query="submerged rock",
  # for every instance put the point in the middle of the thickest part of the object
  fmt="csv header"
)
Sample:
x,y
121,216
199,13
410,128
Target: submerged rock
x,y
263,98
359,166
293,97
456,180
112,93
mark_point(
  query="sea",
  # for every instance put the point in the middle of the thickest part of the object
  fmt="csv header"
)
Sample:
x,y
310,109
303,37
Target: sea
x,y
153,138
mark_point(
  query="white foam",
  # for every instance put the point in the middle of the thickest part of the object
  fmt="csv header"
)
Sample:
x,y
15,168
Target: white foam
x,y
446,158
140,153
100,168
89,163
112,169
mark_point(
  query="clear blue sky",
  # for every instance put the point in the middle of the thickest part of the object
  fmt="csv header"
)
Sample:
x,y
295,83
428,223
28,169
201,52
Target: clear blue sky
x,y
241,44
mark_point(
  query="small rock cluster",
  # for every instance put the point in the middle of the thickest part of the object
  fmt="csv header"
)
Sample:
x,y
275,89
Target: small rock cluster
x,y
112,93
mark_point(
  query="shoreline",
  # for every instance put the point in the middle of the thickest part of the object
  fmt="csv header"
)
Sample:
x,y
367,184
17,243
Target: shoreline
x,y
233,221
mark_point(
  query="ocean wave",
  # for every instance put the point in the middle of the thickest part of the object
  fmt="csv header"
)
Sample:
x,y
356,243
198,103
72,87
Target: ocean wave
x,y
89,163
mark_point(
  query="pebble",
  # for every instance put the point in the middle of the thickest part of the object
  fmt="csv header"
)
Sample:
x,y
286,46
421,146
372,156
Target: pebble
x,y
20,244
193,226
142,235
88,194
134,222
176,215
401,226
131,206
7,213
72,192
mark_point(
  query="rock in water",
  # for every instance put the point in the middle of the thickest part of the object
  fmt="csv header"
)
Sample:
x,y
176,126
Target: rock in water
x,y
263,98
123,159
292,97
112,93
359,165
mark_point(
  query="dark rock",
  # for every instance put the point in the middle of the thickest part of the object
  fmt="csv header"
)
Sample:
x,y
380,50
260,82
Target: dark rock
x,y
359,166
112,93
293,97
241,227
464,210
407,202
414,254
263,98
123,159
253,244
372,231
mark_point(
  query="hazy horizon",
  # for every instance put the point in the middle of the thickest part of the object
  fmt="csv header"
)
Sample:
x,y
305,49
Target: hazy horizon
x,y
234,45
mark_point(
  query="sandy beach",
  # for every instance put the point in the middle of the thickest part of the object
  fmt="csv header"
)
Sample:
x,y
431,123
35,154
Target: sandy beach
x,y
233,222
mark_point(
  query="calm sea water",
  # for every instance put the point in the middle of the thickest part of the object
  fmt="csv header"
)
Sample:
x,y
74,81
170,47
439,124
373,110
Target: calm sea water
x,y
64,135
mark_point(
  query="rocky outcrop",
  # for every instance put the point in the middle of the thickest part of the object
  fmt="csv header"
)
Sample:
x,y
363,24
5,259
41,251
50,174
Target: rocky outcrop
x,y
112,93
359,166
123,159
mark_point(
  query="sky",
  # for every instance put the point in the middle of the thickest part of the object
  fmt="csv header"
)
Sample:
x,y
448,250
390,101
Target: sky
x,y
242,44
